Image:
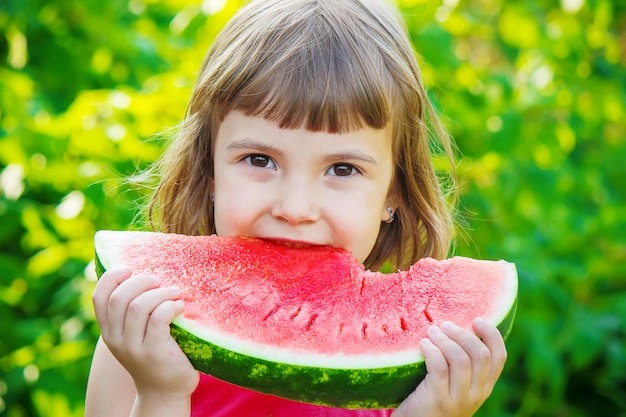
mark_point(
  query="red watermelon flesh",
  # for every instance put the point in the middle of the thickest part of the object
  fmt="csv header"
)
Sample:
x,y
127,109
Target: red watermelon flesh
x,y
316,303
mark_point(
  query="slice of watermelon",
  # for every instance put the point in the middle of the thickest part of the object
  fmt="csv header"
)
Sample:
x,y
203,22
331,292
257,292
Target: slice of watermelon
x,y
310,324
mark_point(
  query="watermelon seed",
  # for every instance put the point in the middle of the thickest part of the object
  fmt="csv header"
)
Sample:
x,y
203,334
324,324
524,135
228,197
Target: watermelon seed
x,y
295,314
403,324
426,313
311,321
364,331
227,287
385,329
428,316
273,311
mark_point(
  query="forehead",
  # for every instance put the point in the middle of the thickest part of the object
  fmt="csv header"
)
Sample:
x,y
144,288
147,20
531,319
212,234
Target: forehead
x,y
243,133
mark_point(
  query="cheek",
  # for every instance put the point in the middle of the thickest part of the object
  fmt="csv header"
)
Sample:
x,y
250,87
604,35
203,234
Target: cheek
x,y
358,230
233,208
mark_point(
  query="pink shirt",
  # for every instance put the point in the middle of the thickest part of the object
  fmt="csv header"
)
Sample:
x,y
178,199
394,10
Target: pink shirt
x,y
216,398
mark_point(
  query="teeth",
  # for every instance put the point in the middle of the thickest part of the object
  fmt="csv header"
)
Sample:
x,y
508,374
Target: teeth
x,y
293,245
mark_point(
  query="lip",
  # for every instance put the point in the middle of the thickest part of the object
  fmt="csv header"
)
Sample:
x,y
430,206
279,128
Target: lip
x,y
298,244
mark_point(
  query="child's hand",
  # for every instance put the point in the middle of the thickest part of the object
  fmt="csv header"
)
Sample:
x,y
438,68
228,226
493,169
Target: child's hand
x,y
462,370
134,316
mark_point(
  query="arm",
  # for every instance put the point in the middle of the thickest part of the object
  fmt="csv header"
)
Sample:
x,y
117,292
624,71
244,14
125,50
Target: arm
x,y
463,368
137,369
110,389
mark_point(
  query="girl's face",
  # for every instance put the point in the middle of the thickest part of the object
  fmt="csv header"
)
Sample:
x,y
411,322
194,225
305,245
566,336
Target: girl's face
x,y
301,187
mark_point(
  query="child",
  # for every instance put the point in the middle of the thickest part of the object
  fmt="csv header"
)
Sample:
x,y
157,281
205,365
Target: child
x,y
309,125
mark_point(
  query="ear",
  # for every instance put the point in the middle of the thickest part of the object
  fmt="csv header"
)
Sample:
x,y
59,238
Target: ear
x,y
392,201
388,212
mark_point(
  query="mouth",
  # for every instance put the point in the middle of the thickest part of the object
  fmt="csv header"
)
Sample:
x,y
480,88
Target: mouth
x,y
292,243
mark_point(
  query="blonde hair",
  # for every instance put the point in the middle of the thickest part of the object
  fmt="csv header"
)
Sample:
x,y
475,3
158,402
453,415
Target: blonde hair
x,y
328,65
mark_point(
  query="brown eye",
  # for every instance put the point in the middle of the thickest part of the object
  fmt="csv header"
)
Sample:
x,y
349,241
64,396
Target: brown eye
x,y
342,170
260,161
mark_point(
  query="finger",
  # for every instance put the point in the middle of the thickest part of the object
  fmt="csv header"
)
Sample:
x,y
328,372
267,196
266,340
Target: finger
x,y
105,286
478,354
158,330
122,296
458,360
140,311
436,362
493,340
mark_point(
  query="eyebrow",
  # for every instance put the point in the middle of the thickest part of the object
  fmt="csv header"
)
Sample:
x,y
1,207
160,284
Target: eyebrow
x,y
344,155
251,144
352,155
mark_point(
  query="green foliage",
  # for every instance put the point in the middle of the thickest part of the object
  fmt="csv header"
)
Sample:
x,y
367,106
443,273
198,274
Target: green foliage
x,y
534,93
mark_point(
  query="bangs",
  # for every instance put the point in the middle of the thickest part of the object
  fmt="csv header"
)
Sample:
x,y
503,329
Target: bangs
x,y
313,73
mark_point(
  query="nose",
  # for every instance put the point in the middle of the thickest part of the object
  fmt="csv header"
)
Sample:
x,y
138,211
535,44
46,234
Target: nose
x,y
296,204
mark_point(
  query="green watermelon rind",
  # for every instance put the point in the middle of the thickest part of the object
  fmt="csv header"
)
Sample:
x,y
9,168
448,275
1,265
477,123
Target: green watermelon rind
x,y
343,388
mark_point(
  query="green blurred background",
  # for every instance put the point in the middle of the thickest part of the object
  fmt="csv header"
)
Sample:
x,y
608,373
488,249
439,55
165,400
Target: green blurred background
x,y
534,93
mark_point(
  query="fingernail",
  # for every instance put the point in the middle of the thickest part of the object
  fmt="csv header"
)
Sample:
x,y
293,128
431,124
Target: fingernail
x,y
447,326
175,290
434,330
479,321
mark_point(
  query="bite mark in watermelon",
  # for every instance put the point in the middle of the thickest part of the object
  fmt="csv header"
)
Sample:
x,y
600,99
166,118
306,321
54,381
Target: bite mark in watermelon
x,y
310,324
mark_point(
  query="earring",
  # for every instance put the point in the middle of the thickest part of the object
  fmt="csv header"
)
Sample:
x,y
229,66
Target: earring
x,y
212,197
391,215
